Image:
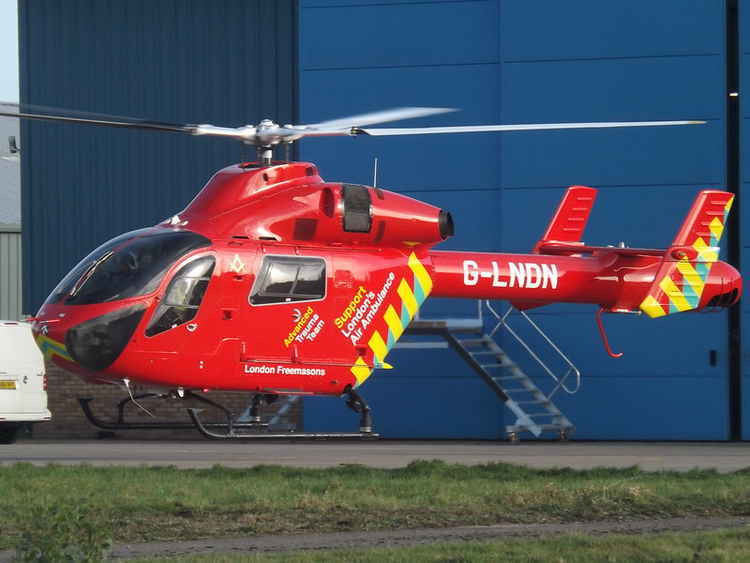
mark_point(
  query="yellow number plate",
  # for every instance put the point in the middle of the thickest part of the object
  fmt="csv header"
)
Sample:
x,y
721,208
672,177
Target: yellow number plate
x,y
5,384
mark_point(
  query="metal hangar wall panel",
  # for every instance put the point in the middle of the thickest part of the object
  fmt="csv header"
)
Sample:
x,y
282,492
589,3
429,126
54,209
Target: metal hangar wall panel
x,y
540,61
10,272
611,62
228,63
743,207
443,54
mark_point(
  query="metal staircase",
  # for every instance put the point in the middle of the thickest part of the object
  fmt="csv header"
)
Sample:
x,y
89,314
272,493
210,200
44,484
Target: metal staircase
x,y
534,409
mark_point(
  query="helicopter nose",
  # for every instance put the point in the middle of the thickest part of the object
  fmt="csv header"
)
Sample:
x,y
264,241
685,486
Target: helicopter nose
x,y
49,335
97,343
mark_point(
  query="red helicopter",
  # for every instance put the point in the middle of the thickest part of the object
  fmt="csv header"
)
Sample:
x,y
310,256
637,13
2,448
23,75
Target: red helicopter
x,y
275,282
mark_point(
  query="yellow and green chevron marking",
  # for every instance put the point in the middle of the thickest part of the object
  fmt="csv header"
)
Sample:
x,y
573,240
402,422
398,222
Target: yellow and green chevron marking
x,y
681,283
412,290
50,347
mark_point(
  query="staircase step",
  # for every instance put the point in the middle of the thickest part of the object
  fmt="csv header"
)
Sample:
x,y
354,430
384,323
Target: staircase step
x,y
485,348
472,341
542,427
537,402
508,377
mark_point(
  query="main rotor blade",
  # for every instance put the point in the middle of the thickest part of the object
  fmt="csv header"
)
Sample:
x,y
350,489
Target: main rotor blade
x,y
267,133
519,127
383,116
106,122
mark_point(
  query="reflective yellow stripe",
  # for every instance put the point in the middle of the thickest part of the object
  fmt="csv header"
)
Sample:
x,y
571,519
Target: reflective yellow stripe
x,y
407,296
378,346
717,228
651,307
674,294
360,370
52,347
691,276
708,253
394,322
421,273
728,206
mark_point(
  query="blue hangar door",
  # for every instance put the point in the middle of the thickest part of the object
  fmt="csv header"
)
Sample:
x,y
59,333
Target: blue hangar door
x,y
744,134
521,62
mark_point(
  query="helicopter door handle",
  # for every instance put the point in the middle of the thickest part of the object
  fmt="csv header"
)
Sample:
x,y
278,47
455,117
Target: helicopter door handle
x,y
191,327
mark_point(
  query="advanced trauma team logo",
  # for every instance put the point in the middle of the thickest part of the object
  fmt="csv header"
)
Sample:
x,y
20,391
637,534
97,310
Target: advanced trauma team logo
x,y
308,326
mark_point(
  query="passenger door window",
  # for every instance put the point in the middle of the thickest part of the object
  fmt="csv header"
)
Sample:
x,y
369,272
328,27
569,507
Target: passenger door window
x,y
287,279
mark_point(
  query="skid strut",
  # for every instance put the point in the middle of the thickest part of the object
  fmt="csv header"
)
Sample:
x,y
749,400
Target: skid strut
x,y
358,405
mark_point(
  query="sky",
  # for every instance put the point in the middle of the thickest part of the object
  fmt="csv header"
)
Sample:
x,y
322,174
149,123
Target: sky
x,y
8,51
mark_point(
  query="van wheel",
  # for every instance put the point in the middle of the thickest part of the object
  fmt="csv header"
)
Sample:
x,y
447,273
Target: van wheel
x,y
8,433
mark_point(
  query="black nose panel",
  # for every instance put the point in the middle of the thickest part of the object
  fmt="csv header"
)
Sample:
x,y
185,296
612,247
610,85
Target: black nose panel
x,y
96,343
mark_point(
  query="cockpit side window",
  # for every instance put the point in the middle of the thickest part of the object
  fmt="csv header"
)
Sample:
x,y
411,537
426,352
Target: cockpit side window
x,y
286,279
183,296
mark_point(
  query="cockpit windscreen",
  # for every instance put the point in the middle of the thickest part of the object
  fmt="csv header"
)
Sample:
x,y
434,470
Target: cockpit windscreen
x,y
130,265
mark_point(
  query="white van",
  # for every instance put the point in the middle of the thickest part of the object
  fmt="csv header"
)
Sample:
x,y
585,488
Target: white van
x,y
23,383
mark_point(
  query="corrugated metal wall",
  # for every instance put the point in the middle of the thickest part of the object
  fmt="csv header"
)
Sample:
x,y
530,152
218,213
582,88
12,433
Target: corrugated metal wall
x,y
10,273
520,62
744,83
227,62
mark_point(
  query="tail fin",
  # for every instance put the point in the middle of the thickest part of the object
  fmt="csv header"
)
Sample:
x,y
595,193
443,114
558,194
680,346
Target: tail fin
x,y
570,219
680,280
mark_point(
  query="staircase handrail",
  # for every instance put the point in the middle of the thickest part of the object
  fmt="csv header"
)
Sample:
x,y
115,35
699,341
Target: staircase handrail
x,y
559,380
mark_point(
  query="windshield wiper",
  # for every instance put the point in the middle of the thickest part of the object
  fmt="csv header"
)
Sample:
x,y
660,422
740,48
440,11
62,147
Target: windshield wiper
x,y
88,273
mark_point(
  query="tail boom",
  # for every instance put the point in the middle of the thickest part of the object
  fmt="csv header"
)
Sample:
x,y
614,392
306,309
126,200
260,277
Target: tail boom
x,y
686,276
528,278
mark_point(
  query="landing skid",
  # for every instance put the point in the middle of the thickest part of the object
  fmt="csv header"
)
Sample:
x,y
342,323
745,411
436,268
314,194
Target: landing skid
x,y
234,431
85,403
230,430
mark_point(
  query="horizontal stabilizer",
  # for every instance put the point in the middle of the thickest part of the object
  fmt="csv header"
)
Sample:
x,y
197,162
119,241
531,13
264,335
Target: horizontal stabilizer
x,y
570,219
568,249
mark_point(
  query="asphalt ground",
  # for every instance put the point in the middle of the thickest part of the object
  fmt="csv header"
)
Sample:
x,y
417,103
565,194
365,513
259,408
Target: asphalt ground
x,y
650,456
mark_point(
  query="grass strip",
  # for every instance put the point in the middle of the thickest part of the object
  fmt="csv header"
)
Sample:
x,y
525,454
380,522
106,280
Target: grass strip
x,y
719,545
166,503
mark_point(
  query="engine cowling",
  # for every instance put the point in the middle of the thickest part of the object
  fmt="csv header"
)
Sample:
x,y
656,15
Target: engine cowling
x,y
366,215
291,203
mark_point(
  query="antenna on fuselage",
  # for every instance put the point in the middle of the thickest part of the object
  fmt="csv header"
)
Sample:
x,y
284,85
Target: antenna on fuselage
x,y
375,174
